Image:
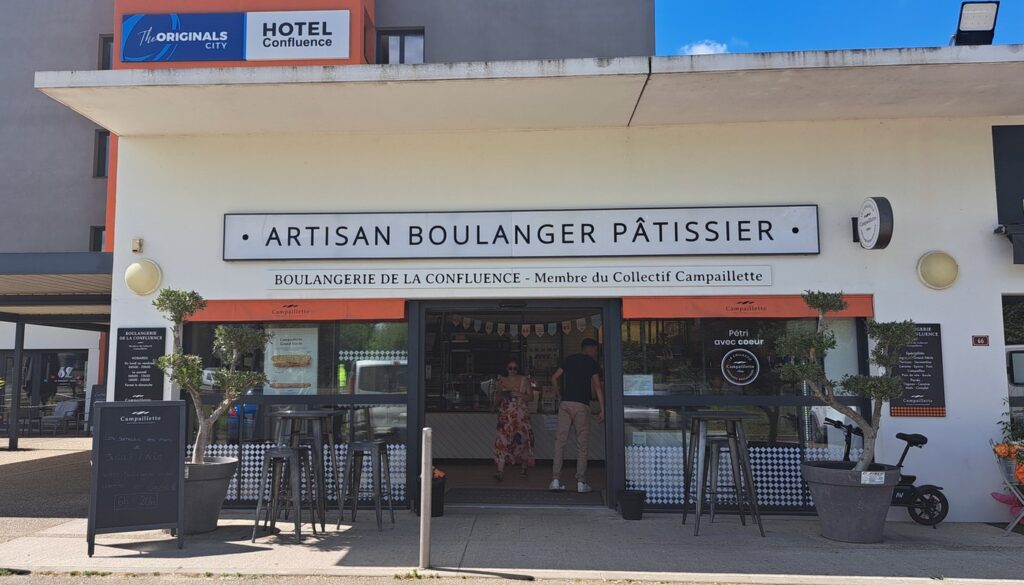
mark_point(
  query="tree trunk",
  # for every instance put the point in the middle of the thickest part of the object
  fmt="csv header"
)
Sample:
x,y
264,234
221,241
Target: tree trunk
x,y
202,441
868,456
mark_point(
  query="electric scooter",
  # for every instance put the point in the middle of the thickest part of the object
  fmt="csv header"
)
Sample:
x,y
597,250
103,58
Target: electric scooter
x,y
926,504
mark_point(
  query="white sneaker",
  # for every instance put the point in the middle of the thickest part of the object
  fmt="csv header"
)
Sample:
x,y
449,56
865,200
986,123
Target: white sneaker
x,y
556,486
583,487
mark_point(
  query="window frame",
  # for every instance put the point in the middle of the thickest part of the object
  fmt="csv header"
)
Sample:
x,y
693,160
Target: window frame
x,y
97,235
101,154
102,62
403,34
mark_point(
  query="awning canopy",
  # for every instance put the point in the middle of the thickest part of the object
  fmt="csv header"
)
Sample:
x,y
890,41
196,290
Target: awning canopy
x,y
70,290
575,93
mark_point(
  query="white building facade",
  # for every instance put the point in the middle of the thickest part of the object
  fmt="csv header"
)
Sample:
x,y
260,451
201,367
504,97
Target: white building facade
x,y
825,130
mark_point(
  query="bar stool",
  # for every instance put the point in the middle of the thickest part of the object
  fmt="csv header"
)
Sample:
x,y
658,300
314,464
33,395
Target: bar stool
x,y
298,427
701,455
381,470
274,462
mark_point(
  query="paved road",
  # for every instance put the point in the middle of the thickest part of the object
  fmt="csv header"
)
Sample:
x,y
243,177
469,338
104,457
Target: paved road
x,y
36,494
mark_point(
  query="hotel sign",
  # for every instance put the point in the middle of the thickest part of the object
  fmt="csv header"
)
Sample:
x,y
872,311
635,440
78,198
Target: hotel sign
x,y
235,36
677,231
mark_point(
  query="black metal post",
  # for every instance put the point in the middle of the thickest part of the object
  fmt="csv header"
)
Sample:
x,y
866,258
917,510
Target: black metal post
x,y
415,416
14,385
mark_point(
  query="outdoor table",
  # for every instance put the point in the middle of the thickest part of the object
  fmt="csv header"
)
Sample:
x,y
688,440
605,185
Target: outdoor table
x,y
739,457
289,426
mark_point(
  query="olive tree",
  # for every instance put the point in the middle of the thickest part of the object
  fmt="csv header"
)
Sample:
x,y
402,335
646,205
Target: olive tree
x,y
230,344
806,351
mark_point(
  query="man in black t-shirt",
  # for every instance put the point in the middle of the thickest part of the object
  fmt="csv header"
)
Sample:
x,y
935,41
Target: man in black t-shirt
x,y
582,381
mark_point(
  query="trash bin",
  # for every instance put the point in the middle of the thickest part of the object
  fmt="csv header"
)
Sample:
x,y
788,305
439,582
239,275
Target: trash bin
x,y
631,504
436,498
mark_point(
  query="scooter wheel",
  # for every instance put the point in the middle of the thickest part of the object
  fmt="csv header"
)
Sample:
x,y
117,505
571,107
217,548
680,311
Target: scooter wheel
x,y
928,506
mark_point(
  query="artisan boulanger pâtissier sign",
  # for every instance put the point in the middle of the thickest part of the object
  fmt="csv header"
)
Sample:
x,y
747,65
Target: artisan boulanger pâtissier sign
x,y
678,231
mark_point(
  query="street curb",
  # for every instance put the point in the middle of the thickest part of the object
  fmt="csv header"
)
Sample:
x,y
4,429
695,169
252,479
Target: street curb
x,y
539,575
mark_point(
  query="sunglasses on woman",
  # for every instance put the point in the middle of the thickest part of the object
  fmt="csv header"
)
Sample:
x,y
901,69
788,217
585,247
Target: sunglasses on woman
x,y
513,368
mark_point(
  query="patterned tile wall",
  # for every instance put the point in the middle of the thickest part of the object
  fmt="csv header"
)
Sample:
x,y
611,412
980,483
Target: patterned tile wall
x,y
658,470
251,466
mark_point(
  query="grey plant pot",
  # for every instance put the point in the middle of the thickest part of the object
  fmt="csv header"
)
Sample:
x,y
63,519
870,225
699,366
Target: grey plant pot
x,y
206,486
849,510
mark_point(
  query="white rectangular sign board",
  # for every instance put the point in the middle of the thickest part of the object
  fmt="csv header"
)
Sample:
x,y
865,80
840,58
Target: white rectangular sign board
x,y
317,34
696,231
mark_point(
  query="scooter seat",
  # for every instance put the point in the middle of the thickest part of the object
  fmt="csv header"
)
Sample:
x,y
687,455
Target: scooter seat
x,y
914,440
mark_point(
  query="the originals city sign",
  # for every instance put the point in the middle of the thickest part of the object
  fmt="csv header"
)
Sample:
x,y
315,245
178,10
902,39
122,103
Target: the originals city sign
x,y
678,231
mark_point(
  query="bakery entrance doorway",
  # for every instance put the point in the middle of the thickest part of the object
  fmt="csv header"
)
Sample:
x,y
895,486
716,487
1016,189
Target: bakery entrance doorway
x,y
503,385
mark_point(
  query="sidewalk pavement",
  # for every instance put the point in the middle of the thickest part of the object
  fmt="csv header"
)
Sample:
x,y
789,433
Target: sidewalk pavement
x,y
42,528
584,544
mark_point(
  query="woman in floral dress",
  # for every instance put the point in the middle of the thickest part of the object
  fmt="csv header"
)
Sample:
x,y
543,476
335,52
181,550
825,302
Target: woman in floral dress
x,y
514,443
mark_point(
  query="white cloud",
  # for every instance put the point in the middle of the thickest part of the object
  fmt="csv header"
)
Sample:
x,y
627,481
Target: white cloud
x,y
705,47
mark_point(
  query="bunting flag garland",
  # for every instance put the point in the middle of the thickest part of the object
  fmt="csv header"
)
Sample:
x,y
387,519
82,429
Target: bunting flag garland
x,y
526,329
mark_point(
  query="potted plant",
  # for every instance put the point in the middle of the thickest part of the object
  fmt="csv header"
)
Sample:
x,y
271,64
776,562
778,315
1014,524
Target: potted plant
x,y
207,478
852,498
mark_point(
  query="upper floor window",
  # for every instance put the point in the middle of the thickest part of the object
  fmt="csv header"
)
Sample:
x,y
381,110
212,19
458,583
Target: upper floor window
x,y
101,164
400,47
106,58
97,238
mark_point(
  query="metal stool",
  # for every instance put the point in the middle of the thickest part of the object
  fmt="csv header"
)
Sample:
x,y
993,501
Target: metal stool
x,y
381,469
712,462
699,450
274,461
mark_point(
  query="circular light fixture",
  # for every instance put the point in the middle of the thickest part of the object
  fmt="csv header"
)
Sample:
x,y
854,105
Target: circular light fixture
x,y
143,277
937,270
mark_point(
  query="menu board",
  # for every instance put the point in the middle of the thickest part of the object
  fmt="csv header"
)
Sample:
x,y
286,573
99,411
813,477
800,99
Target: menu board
x,y
291,360
138,465
137,376
920,367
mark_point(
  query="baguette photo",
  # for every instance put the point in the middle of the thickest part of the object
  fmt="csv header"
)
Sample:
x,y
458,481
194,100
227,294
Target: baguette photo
x,y
291,360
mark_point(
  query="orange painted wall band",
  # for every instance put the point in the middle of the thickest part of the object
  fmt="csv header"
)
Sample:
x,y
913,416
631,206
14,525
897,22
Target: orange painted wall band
x,y
746,306
108,241
256,311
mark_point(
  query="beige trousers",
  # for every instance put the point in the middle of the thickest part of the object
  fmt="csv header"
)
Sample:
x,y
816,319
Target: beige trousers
x,y
576,415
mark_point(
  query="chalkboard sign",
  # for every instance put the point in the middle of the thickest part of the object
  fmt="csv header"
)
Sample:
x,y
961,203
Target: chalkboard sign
x,y
137,377
138,468
921,369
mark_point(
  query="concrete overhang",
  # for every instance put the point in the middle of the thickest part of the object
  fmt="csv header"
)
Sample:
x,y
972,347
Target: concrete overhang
x,y
525,95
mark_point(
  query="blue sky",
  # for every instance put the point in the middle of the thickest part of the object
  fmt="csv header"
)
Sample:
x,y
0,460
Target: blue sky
x,y
757,26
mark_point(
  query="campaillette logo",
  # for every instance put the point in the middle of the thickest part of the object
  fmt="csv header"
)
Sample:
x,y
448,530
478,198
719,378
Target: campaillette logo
x,y
140,417
291,309
746,307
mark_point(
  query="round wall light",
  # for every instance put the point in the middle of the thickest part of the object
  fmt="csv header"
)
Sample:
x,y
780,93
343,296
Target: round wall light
x,y
143,277
937,270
